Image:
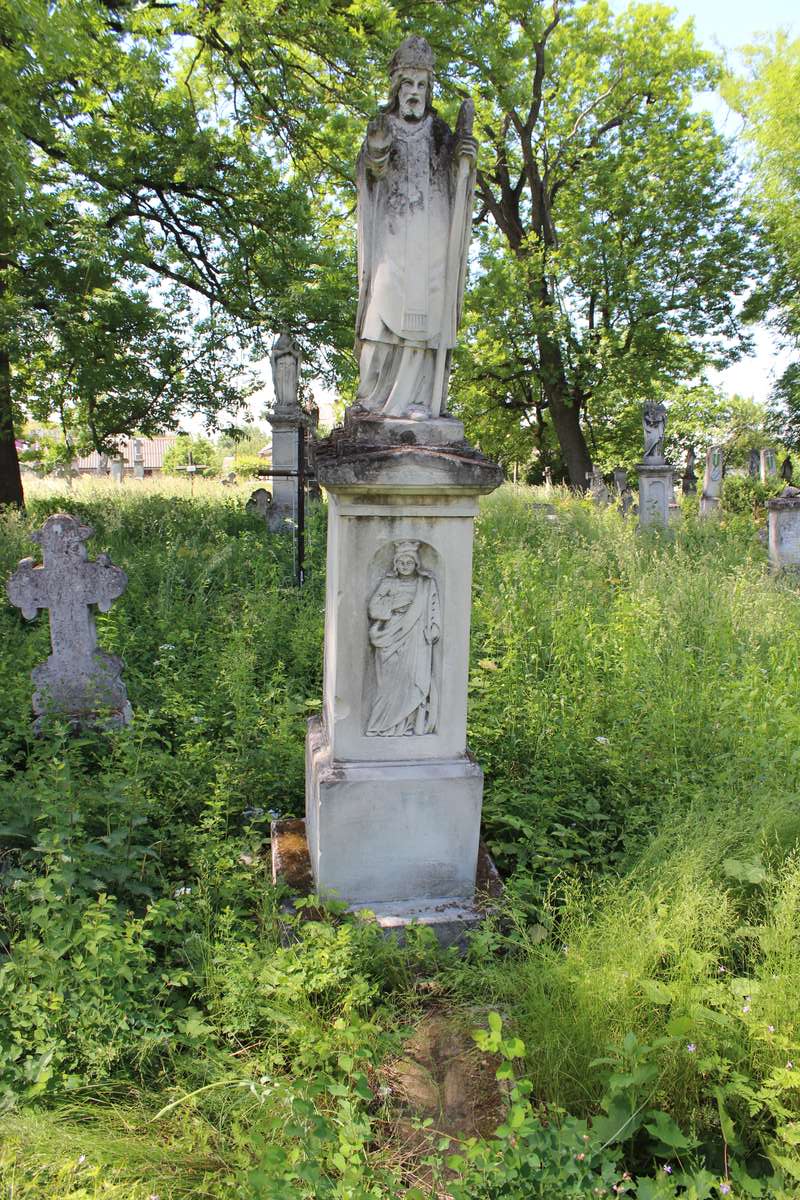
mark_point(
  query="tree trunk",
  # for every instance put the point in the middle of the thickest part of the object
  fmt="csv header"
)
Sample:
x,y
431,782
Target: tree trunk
x,y
564,412
10,478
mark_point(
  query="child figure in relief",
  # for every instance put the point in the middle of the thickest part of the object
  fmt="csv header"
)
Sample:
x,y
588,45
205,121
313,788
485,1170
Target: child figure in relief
x,y
404,627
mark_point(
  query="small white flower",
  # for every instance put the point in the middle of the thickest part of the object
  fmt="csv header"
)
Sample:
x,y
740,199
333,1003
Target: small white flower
x,y
181,891
197,720
166,646
81,1160
601,741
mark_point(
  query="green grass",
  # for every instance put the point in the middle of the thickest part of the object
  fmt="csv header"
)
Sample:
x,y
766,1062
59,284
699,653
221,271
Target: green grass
x,y
634,704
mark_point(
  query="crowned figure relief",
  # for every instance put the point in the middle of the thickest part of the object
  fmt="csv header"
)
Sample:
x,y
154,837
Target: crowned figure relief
x,y
415,193
404,626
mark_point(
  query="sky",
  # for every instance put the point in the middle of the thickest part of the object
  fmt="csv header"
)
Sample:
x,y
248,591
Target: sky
x,y
724,26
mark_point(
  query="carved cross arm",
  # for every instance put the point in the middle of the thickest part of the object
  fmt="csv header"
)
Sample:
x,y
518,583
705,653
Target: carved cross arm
x,y
26,588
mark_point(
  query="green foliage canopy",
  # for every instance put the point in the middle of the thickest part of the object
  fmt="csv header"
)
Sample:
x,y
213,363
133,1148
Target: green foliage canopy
x,y
612,244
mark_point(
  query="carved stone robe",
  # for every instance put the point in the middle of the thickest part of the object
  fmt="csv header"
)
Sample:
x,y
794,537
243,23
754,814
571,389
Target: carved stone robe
x,y
404,625
405,210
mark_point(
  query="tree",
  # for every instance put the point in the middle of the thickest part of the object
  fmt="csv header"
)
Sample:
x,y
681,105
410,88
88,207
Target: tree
x,y
766,96
611,241
131,162
190,450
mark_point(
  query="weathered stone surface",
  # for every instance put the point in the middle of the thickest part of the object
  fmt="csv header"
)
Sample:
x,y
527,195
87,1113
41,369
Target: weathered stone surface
x,y
260,503
597,488
393,799
655,494
415,181
768,463
78,681
287,420
784,530
451,919
712,481
360,425
655,473
392,829
654,419
344,463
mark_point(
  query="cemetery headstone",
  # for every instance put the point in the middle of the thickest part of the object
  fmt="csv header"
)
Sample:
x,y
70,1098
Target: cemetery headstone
x,y
655,473
783,523
620,479
393,798
787,469
117,470
769,464
259,504
229,480
712,481
78,682
102,464
754,463
597,488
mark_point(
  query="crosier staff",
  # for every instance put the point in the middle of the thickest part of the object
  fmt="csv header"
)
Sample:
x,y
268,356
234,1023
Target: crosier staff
x,y
457,248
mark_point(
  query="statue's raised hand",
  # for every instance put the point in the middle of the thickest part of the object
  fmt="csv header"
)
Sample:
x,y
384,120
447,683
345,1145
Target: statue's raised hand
x,y
379,136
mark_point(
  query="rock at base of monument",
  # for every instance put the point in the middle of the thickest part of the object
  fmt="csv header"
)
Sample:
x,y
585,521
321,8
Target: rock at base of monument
x,y
450,918
366,427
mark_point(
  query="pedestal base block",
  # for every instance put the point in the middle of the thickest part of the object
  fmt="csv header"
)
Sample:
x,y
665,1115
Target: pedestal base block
x,y
391,831
655,493
450,918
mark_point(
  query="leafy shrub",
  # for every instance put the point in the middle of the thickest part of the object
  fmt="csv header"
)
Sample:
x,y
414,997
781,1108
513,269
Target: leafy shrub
x,y
746,494
250,466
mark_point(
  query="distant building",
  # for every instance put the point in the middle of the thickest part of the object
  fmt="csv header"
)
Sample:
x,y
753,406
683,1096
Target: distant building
x,y
152,452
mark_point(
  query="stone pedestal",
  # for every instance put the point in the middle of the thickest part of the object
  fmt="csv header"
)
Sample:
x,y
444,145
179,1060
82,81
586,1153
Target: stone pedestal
x,y
784,530
283,510
393,797
655,493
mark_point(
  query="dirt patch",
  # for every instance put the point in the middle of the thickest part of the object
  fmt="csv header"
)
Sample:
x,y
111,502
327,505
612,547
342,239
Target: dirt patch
x,y
444,1077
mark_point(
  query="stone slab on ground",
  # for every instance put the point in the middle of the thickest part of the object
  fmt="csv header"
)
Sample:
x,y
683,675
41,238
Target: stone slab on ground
x,y
450,919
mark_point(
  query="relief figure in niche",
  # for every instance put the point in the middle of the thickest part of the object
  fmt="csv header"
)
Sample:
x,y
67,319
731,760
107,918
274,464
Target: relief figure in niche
x,y
404,626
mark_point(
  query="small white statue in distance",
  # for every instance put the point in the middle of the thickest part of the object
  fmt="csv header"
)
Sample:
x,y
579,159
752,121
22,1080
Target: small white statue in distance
x,y
654,419
78,681
404,626
285,373
416,181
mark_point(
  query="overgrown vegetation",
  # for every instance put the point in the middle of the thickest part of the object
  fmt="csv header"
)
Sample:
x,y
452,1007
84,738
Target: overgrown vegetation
x,y
634,706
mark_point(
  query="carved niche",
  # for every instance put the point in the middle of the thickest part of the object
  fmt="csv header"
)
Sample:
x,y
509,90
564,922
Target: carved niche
x,y
402,681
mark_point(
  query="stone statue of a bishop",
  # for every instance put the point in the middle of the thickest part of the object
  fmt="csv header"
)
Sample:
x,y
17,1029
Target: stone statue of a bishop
x,y
416,181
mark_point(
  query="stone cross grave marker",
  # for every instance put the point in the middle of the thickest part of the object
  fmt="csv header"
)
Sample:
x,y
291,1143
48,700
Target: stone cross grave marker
x,y
260,504
78,681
